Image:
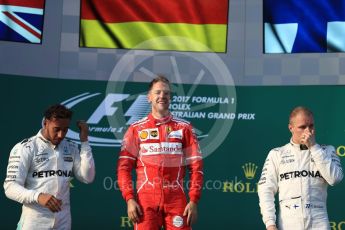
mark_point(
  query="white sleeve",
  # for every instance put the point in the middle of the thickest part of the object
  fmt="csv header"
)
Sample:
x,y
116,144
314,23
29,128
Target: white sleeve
x,y
17,169
328,163
84,165
267,188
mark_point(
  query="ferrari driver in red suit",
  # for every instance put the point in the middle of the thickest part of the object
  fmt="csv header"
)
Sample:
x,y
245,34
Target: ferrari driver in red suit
x,y
160,147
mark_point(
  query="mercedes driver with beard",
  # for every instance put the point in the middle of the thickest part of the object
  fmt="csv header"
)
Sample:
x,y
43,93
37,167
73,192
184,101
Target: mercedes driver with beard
x,y
40,168
300,173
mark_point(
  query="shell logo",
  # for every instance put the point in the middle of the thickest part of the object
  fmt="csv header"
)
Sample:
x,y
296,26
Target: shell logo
x,y
143,135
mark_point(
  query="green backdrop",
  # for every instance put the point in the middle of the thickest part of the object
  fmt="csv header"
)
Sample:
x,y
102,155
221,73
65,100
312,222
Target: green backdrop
x,y
251,121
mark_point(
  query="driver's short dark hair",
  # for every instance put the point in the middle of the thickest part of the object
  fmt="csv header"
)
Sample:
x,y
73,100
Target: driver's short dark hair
x,y
58,111
159,78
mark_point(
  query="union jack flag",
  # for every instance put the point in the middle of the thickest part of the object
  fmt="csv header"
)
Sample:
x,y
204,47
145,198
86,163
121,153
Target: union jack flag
x,y
21,20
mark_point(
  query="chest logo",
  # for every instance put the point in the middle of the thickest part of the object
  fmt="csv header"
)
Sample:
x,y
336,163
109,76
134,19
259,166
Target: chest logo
x,y
176,134
154,133
149,134
68,159
143,135
168,129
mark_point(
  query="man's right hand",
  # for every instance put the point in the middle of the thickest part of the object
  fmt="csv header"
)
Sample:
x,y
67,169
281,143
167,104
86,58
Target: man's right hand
x,y
133,210
84,130
272,227
50,201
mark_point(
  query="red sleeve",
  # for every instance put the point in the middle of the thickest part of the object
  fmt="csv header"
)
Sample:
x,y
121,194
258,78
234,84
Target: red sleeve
x,y
194,164
127,162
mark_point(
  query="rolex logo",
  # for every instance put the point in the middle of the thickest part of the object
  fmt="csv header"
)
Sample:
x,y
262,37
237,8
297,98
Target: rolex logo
x,y
249,170
238,186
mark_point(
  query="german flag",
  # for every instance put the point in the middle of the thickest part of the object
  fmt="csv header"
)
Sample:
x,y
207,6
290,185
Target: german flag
x,y
181,25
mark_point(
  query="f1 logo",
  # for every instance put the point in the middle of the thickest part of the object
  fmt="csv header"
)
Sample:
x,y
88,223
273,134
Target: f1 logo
x,y
106,107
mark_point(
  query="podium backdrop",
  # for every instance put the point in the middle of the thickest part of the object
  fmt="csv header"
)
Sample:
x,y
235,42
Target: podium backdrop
x,y
236,128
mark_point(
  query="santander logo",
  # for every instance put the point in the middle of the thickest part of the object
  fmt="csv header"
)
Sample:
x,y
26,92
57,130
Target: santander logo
x,y
161,148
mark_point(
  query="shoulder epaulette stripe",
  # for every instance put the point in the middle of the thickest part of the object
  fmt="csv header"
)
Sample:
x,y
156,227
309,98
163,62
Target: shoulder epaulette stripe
x,y
24,141
140,121
180,120
143,122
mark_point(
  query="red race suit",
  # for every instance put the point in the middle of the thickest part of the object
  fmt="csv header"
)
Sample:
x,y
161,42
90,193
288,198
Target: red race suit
x,y
160,151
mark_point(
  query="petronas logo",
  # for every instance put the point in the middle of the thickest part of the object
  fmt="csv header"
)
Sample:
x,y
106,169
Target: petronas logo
x,y
249,170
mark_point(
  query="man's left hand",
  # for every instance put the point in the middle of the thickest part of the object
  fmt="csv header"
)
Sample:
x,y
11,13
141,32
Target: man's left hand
x,y
84,130
191,211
